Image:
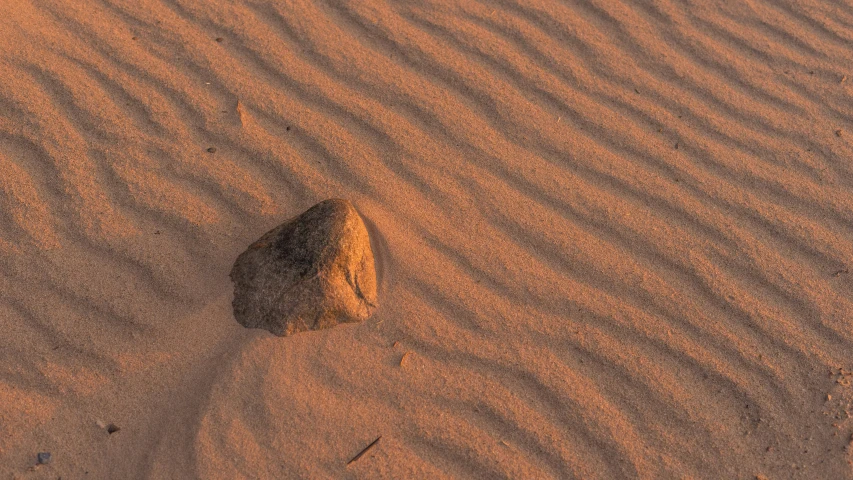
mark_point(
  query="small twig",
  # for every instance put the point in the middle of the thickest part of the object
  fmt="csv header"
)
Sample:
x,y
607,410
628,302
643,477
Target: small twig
x,y
361,453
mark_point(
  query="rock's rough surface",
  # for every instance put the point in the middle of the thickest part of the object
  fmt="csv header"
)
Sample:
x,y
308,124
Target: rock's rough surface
x,y
313,272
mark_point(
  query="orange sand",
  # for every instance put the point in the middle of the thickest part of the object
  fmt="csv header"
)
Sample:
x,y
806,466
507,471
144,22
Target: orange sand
x,y
614,238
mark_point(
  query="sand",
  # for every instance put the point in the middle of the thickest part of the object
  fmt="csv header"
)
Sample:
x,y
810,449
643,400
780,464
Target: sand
x,y
614,239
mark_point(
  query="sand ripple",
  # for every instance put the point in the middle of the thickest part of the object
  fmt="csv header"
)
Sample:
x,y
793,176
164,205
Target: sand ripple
x,y
614,237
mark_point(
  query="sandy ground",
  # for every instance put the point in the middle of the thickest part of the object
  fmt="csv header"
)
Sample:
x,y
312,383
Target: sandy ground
x,y
614,238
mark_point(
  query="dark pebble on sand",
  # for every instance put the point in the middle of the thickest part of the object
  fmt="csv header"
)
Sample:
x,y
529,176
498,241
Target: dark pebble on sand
x,y
212,149
43,458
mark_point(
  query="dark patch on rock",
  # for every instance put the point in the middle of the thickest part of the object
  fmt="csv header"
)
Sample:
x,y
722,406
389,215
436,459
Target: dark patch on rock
x,y
312,272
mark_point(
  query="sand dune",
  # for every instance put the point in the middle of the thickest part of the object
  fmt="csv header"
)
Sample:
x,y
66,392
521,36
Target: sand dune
x,y
613,238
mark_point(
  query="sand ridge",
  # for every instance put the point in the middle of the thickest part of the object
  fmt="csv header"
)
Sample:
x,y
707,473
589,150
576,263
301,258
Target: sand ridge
x,y
613,238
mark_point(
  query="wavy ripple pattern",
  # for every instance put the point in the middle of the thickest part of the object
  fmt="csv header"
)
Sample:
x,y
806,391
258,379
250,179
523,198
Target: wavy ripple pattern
x,y
616,235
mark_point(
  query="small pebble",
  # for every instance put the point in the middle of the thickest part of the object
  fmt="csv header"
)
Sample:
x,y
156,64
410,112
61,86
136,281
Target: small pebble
x,y
212,149
43,458
218,39
112,428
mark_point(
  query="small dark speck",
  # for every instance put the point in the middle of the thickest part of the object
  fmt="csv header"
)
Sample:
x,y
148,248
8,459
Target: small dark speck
x,y
134,38
636,91
838,133
156,232
676,145
43,458
811,72
212,149
112,428
288,128
219,39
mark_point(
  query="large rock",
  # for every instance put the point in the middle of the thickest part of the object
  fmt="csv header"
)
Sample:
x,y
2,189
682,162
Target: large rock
x,y
313,272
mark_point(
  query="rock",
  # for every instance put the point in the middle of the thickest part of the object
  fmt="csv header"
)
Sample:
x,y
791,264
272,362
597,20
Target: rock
x,y
312,272
43,458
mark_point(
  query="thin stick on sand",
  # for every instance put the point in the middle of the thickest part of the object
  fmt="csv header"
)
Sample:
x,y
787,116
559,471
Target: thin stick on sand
x,y
361,453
